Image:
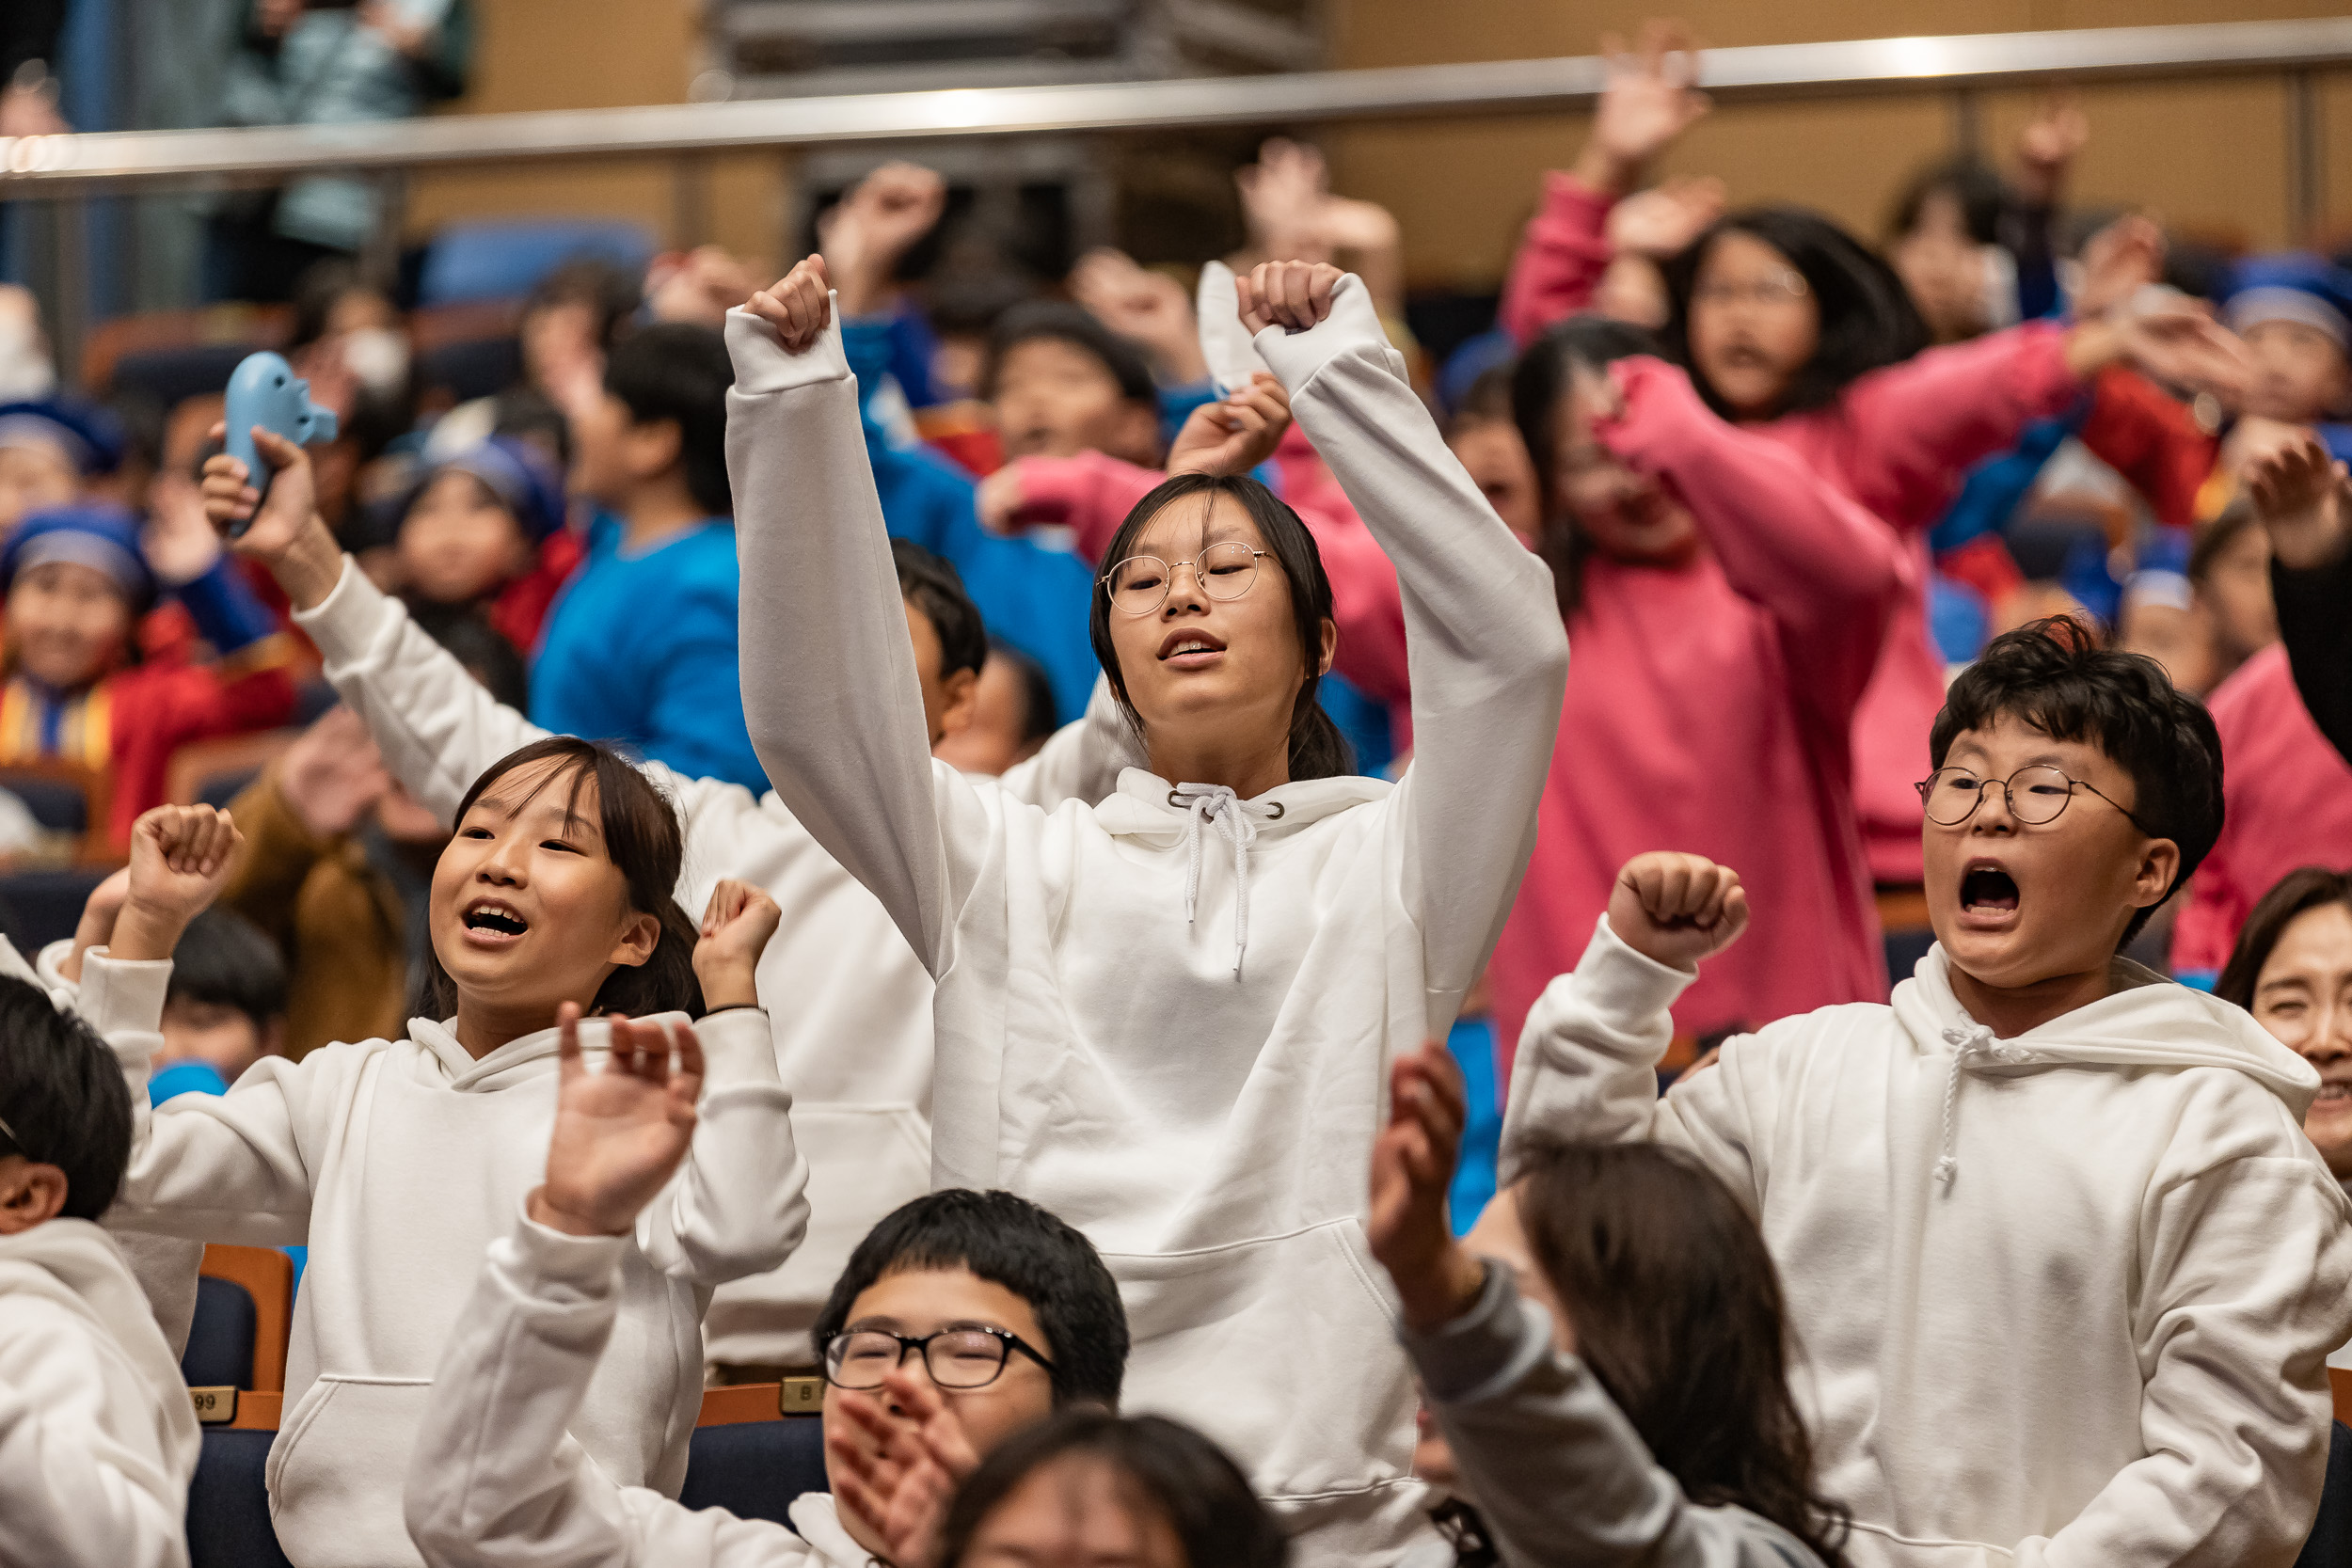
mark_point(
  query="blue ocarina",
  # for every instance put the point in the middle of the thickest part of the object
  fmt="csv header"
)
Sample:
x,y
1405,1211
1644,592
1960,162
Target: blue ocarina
x,y
264,390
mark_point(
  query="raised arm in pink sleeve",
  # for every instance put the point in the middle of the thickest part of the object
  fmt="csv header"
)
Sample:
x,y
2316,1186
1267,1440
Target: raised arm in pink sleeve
x,y
1089,494
1561,258
2149,436
1826,571
1916,427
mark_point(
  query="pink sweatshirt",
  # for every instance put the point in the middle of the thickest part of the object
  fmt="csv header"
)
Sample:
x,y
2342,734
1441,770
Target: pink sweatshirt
x,y
2288,796
1897,440
1708,705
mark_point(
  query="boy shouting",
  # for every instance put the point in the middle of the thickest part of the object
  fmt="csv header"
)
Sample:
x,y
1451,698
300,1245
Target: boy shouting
x,y
2064,1270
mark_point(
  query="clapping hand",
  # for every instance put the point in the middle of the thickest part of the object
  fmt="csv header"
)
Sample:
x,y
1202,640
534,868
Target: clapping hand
x,y
621,1130
1412,1166
1678,909
899,1471
736,926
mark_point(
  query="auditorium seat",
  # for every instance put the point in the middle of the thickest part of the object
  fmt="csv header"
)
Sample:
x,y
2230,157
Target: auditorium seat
x,y
2330,1544
755,1469
505,260
229,1504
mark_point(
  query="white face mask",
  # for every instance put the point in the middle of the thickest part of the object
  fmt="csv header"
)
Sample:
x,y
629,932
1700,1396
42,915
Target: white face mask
x,y
378,359
25,373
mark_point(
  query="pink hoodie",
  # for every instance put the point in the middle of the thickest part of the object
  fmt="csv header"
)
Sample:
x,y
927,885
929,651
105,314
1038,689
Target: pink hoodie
x,y
1707,710
1897,440
2288,796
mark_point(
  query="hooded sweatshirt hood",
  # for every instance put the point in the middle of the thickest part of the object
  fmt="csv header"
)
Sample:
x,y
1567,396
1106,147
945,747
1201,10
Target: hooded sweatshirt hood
x,y
75,1262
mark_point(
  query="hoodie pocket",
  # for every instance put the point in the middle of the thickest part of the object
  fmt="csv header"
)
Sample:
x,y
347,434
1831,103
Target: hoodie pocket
x,y
336,1472
1283,1348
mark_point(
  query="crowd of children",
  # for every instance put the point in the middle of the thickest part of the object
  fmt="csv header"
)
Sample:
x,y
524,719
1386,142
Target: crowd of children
x,y
993,846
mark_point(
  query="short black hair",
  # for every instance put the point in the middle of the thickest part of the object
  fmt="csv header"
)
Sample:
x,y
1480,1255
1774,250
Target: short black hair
x,y
1971,184
1037,692
1015,1244
1163,1465
64,1098
1080,329
933,586
224,959
1867,320
2053,675
680,371
613,292
467,633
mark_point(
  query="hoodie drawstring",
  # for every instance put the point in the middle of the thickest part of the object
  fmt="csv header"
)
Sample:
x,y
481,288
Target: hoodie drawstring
x,y
1973,1041
1204,804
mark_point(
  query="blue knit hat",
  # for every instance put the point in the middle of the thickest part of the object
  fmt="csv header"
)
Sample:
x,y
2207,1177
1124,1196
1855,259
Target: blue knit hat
x,y
90,534
2291,285
525,483
87,435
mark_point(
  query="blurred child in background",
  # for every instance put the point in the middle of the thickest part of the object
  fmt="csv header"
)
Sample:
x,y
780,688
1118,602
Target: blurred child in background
x,y
48,451
474,534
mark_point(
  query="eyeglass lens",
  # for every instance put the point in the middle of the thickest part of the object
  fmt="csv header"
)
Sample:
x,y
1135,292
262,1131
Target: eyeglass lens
x,y
2036,794
1139,584
966,1358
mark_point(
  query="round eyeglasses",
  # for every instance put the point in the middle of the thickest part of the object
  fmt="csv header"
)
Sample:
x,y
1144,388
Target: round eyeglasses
x,y
1784,286
955,1357
2034,796
1139,584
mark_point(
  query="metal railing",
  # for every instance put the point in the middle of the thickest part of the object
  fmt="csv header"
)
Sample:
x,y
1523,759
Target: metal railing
x,y
1959,65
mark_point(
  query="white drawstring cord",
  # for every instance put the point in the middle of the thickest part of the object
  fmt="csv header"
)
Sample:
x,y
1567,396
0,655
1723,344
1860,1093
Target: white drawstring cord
x,y
1974,1040
1203,804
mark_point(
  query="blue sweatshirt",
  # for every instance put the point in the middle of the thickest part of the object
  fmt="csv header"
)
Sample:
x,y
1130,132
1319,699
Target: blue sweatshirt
x,y
640,650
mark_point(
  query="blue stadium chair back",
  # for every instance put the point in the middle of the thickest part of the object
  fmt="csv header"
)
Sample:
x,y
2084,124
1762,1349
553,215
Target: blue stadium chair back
x,y
505,260
220,1340
755,1469
229,1504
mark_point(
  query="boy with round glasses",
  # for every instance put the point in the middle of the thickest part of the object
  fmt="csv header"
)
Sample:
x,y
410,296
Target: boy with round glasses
x,y
2063,1269
961,1318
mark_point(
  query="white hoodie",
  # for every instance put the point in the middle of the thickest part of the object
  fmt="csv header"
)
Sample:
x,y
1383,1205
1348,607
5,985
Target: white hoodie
x,y
396,1163
849,1004
97,1438
2065,1298
1169,1017
497,1481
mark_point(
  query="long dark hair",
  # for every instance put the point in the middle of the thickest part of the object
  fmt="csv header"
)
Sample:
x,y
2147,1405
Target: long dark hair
x,y
1677,1311
2306,888
1539,388
1867,319
1318,751
1163,1466
642,840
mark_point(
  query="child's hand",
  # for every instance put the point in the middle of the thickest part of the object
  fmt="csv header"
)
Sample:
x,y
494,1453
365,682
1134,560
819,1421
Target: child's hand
x,y
1647,100
867,230
798,306
997,501
99,914
2118,261
1678,909
1234,433
179,857
287,534
1281,198
620,1131
735,931
1293,294
2175,340
1412,1166
333,775
2300,494
1661,222
899,1472
1136,302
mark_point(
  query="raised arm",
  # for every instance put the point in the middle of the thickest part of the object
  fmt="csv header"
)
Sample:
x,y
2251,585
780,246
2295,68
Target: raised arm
x,y
2303,497
1487,653
828,682
1826,571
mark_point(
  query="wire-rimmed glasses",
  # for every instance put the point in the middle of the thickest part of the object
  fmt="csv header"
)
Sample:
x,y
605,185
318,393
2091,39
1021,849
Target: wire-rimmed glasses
x,y
1139,584
971,1358
2035,796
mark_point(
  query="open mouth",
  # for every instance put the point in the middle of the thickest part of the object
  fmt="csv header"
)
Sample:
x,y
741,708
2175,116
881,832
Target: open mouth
x,y
495,920
1189,650
2330,1092
1988,890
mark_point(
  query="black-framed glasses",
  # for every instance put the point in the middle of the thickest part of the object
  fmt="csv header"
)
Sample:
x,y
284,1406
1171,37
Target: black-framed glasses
x,y
1139,584
2035,796
970,1358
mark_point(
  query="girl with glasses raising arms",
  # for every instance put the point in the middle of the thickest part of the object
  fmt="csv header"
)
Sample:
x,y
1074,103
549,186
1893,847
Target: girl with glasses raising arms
x,y
1167,1016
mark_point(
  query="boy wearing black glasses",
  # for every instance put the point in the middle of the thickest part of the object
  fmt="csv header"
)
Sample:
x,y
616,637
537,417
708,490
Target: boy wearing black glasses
x,y
961,1318
2065,1274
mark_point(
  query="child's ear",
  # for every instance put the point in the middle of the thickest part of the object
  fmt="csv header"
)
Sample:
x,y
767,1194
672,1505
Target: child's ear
x,y
639,938
2159,864
1330,646
963,691
30,1193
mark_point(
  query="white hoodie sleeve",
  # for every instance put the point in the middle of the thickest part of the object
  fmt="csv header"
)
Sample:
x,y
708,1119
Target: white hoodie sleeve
x,y
1488,651
2246,1265
205,1167
69,1493
1587,1068
497,1481
830,692
1558,1474
739,1204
